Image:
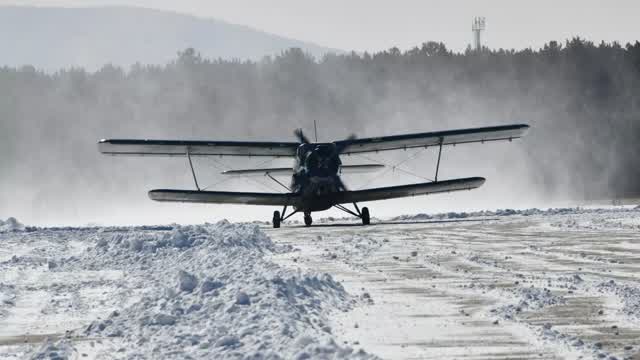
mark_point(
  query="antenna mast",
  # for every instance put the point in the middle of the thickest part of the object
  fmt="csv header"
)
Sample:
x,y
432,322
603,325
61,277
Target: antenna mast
x,y
477,27
315,128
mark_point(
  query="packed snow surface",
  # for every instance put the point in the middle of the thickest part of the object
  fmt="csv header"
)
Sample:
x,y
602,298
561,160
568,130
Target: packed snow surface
x,y
505,284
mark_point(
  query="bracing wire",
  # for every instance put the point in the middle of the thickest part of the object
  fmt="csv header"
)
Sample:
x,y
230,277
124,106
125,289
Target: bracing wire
x,y
393,167
217,183
221,166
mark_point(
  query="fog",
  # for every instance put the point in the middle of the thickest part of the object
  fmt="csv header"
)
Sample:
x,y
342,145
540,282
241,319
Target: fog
x,y
578,98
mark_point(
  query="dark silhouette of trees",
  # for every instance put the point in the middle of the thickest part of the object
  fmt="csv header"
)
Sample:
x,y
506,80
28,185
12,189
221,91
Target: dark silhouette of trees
x,y
582,99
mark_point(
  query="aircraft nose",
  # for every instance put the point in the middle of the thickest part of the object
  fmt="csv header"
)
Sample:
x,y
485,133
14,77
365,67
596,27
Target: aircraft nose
x,y
323,187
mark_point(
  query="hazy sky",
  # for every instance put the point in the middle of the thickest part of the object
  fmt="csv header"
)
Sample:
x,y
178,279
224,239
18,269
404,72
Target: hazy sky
x,y
374,25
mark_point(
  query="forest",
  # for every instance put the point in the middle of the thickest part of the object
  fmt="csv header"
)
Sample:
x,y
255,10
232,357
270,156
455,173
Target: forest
x,y
581,99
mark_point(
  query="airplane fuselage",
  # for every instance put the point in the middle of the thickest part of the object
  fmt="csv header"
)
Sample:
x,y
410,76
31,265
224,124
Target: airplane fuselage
x,y
316,176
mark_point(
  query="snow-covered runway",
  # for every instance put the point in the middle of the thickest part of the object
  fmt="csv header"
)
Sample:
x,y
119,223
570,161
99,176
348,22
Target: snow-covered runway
x,y
532,284
556,284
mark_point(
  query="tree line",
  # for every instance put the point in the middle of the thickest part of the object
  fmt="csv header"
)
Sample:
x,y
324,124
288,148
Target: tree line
x,y
582,100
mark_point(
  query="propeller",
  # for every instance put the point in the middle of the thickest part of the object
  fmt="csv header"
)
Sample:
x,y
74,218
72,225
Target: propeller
x,y
300,135
352,137
343,144
337,151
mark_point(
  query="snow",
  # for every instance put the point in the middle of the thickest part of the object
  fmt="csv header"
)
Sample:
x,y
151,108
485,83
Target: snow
x,y
202,291
11,224
550,212
628,295
529,298
532,283
491,284
48,351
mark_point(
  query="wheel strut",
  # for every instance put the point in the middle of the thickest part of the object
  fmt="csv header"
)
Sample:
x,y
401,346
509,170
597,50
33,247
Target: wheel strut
x,y
364,214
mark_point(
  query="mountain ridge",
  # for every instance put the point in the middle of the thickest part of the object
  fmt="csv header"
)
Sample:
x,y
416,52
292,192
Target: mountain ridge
x,y
53,38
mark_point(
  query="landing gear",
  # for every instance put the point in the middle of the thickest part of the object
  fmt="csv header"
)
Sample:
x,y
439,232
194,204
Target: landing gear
x,y
276,219
364,215
307,219
279,218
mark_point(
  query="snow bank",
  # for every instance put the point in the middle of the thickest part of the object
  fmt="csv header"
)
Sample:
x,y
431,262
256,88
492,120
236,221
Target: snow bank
x,y
11,224
209,292
512,212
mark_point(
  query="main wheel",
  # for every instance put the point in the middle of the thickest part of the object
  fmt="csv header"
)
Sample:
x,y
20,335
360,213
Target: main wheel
x,y
307,219
365,216
276,219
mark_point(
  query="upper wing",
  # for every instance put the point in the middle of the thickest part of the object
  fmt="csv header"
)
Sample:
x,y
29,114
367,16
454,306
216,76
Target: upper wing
x,y
352,169
196,148
224,197
449,137
392,192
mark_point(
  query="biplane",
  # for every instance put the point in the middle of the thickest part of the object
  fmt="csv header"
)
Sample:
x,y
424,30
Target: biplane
x,y
316,183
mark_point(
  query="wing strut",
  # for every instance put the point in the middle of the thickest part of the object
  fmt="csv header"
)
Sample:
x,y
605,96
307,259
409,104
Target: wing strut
x,y
439,155
191,166
284,211
350,212
276,180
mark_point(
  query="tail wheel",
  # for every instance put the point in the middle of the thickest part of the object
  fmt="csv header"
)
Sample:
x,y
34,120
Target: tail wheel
x,y
276,219
365,216
307,219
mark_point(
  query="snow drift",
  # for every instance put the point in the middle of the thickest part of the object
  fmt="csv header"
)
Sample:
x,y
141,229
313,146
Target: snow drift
x,y
11,224
209,291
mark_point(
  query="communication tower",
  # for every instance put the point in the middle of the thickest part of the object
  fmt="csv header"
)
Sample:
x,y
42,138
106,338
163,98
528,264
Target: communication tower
x,y
477,27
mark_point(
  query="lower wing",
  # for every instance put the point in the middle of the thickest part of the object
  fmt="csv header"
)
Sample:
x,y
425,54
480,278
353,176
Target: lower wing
x,y
291,199
393,192
224,197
